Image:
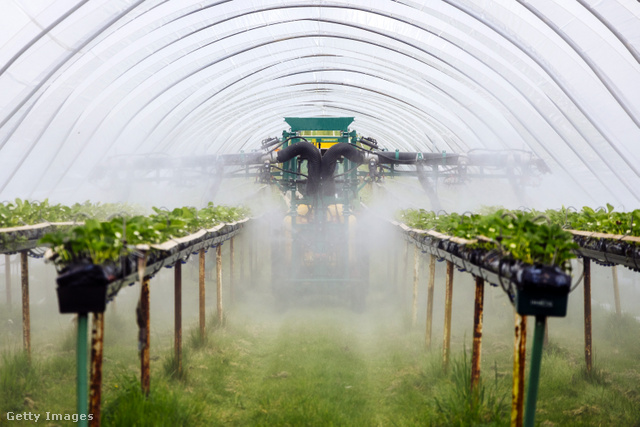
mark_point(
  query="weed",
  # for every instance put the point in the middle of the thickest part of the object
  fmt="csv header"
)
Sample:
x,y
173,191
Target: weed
x,y
596,375
161,408
18,379
457,404
197,341
172,369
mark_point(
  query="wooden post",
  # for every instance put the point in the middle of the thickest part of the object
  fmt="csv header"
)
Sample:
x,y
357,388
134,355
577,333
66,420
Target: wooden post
x,y
416,272
231,271
7,277
177,311
405,267
616,291
432,279
447,316
587,313
144,324
95,386
243,243
202,292
477,333
250,264
519,355
219,283
26,322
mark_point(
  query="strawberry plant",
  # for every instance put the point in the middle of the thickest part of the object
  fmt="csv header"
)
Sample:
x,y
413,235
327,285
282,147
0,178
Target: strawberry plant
x,y
524,236
100,242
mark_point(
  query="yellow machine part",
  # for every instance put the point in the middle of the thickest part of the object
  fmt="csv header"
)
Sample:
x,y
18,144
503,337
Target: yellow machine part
x,y
303,211
323,138
335,213
325,143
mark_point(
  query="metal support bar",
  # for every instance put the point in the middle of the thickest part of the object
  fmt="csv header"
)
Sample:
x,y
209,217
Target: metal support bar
x,y
243,243
144,324
219,283
250,263
26,321
432,279
587,313
95,386
152,269
416,272
616,290
447,316
534,372
519,355
608,258
476,354
177,312
201,281
81,368
231,271
7,277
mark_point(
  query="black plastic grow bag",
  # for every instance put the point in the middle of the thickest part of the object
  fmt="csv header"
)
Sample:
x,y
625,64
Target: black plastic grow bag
x,y
83,289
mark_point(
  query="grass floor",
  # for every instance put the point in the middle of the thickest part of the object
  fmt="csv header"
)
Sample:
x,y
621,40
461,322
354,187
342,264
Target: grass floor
x,y
323,366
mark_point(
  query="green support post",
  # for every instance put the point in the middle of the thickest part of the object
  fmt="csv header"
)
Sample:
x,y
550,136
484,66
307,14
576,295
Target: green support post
x,y
81,367
534,373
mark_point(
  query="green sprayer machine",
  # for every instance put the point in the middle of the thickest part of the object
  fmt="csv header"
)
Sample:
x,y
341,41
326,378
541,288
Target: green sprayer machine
x,y
320,166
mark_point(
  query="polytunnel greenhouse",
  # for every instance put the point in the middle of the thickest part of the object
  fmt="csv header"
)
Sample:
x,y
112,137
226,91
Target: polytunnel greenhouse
x,y
322,212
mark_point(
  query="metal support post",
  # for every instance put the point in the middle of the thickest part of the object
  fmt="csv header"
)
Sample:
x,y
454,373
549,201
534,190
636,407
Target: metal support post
x,y
177,312
250,263
232,281
416,272
447,316
95,386
519,355
26,322
7,277
534,372
81,368
242,252
405,267
616,291
202,291
219,283
144,325
432,279
587,313
476,354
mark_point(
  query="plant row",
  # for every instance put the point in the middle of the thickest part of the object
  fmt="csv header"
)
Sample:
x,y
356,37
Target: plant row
x,y
602,220
536,236
523,236
100,242
24,212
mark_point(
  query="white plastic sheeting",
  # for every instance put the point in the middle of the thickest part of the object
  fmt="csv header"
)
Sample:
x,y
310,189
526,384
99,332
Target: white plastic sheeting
x,y
85,80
